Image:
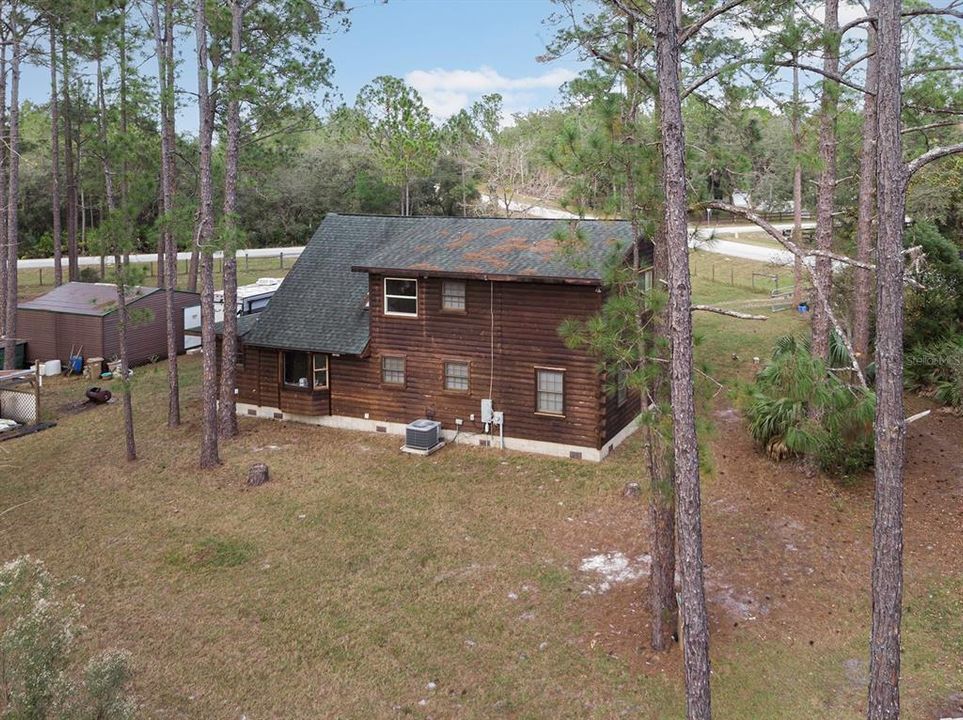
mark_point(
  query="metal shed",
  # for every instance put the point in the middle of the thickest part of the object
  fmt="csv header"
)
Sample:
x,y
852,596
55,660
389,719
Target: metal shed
x,y
85,314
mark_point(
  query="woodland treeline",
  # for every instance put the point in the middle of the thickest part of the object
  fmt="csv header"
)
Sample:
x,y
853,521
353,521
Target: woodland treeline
x,y
735,107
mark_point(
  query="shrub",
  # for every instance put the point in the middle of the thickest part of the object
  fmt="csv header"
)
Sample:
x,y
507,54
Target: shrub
x,y
937,370
38,676
89,275
796,406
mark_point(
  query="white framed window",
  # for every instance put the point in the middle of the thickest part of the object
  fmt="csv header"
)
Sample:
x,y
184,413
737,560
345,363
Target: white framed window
x,y
549,391
320,371
622,387
401,297
305,370
646,279
453,295
457,376
393,369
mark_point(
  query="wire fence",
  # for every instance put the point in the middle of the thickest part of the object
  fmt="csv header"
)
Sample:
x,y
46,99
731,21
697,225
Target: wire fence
x,y
756,277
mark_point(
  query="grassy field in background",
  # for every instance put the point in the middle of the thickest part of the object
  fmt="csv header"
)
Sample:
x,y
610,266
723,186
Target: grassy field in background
x,y
34,281
365,583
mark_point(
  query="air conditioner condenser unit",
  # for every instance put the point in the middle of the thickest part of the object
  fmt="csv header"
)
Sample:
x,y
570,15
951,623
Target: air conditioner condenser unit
x,y
423,437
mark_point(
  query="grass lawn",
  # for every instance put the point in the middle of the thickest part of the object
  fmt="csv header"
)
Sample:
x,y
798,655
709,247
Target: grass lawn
x,y
34,282
364,583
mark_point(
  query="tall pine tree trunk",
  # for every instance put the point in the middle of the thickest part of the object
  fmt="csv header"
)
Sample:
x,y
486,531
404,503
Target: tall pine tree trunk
x,y
55,159
3,186
120,268
663,605
228,408
826,192
162,46
890,426
863,279
796,184
695,639
73,266
203,245
13,193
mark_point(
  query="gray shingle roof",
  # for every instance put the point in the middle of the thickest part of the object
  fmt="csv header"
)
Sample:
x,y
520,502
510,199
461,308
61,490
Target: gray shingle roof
x,y
320,306
501,247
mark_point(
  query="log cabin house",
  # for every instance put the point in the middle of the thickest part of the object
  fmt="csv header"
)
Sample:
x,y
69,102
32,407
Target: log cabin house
x,y
385,320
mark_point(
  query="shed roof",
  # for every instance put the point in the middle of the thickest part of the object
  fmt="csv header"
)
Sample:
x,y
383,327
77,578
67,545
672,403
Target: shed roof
x,y
78,298
321,306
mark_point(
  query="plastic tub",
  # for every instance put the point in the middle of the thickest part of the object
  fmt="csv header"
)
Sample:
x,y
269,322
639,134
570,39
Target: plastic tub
x,y
51,368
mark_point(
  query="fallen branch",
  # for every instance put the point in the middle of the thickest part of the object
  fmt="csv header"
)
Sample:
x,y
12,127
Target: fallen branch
x,y
798,252
730,313
917,416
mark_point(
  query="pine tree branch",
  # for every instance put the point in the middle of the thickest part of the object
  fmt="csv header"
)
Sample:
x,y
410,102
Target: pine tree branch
x,y
910,72
835,77
932,126
926,158
730,313
692,28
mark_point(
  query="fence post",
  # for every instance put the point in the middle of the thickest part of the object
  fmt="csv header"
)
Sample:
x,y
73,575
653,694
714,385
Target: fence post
x,y
41,277
281,258
731,281
246,262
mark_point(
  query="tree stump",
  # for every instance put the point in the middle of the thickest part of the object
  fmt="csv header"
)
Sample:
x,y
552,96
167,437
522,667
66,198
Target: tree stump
x,y
257,474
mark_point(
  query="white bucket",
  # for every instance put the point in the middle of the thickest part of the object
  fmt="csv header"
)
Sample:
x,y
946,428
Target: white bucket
x,y
51,368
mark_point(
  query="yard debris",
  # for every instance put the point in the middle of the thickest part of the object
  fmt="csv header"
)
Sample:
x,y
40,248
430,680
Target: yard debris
x,y
632,490
614,568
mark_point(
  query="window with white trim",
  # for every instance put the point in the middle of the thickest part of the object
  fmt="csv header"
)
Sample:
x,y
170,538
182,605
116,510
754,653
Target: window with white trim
x,y
401,296
646,279
320,371
305,370
392,370
453,295
549,391
622,386
457,376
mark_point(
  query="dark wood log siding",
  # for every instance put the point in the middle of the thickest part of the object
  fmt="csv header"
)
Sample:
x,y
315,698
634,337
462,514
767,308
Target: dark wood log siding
x,y
526,321
618,416
259,382
51,335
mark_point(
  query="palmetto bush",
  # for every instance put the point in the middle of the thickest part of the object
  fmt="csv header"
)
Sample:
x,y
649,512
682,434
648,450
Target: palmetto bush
x,y
796,406
937,370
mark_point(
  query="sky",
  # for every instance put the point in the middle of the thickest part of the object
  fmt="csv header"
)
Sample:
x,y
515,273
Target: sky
x,y
452,51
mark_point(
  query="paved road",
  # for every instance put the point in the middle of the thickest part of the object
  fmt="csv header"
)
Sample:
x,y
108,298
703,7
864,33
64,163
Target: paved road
x,y
291,252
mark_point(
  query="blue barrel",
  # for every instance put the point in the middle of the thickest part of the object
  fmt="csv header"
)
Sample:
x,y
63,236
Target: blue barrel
x,y
76,363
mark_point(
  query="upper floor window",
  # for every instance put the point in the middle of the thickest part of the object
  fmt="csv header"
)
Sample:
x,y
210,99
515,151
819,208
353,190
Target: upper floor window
x,y
453,295
401,297
549,391
305,370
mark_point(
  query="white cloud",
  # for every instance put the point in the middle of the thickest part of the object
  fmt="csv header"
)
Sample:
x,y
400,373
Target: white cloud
x,y
445,92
